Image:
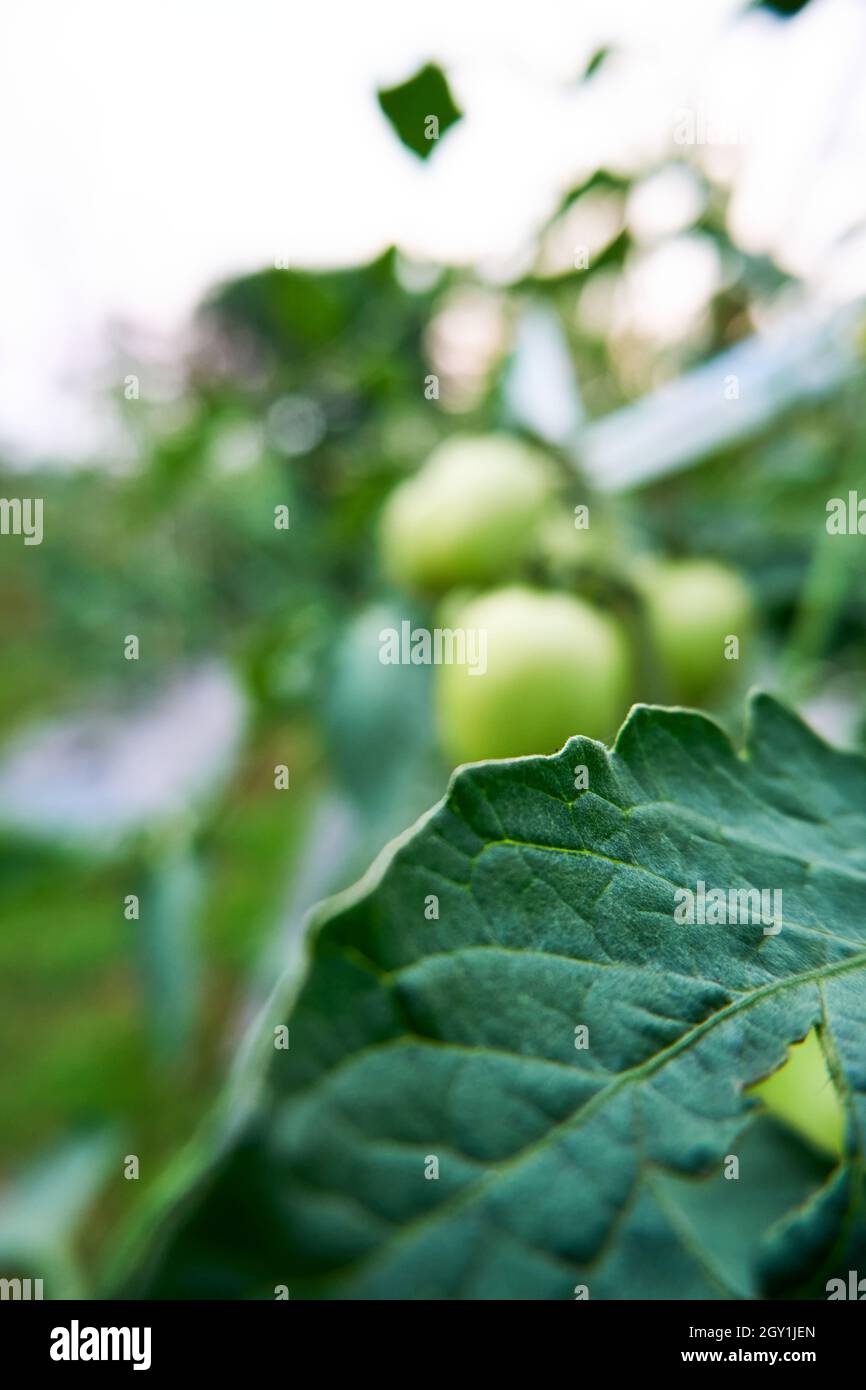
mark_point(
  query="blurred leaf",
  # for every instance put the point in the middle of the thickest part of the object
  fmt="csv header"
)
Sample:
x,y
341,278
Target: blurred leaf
x,y
598,59
298,307
170,902
410,106
380,729
785,9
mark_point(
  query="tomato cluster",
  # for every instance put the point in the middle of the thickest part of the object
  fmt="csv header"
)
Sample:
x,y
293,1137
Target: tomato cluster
x,y
482,525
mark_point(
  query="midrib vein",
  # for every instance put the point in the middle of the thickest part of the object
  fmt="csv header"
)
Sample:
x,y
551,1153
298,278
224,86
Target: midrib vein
x,y
476,1190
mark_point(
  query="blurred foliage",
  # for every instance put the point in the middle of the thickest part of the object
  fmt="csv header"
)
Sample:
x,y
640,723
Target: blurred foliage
x,y
410,105
785,9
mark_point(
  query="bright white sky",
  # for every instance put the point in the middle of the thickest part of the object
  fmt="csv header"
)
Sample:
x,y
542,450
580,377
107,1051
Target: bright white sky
x,y
148,149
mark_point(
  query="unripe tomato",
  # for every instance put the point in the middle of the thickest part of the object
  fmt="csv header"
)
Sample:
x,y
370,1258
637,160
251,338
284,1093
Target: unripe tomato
x,y
802,1094
555,667
692,607
467,516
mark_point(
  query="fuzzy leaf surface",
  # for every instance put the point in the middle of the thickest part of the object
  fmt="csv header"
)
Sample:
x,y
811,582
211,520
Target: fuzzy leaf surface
x,y
452,1038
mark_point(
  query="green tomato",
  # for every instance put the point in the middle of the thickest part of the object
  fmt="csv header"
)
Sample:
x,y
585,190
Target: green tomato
x,y
802,1094
692,607
468,516
554,667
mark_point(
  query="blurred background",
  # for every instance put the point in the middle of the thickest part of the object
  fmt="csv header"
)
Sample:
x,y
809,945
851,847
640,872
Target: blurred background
x,y
245,280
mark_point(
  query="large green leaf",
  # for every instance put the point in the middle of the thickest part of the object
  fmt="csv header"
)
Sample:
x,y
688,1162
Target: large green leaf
x,y
454,1039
